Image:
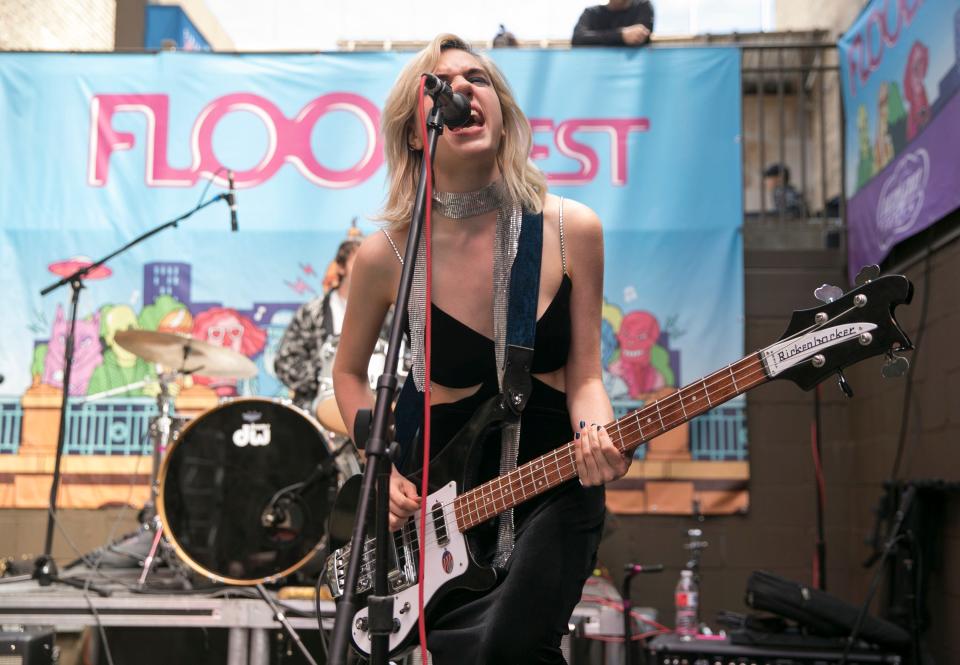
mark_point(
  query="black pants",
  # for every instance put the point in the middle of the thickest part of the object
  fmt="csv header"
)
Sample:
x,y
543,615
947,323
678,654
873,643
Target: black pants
x,y
521,620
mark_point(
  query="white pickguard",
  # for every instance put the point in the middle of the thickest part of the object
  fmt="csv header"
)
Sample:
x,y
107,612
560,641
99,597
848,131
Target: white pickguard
x,y
405,602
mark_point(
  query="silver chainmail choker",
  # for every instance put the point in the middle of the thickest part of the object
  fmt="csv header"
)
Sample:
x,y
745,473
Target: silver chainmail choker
x,y
461,205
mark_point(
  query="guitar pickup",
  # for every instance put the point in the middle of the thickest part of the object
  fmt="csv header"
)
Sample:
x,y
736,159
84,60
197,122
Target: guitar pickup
x,y
439,524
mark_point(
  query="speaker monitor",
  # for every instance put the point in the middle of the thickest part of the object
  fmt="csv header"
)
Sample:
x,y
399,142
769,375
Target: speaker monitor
x,y
30,646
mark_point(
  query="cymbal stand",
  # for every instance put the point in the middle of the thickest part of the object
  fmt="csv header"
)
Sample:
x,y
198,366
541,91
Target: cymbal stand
x,y
162,427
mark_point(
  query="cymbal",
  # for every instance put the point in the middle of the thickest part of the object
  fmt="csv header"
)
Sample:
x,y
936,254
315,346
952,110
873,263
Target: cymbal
x,y
186,354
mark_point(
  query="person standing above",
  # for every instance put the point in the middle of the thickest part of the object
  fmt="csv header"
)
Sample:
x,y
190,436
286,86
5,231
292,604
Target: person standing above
x,y
299,360
617,23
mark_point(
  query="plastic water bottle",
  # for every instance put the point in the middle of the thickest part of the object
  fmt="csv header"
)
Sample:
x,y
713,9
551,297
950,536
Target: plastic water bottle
x,y
687,600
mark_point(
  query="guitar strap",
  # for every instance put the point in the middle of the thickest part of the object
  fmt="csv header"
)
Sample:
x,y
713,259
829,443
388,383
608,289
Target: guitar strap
x,y
515,380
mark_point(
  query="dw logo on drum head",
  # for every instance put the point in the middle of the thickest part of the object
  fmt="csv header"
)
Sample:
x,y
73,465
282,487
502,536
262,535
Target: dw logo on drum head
x,y
251,432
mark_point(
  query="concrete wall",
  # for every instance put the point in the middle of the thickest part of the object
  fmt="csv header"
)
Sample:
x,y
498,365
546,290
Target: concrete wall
x,y
833,15
55,25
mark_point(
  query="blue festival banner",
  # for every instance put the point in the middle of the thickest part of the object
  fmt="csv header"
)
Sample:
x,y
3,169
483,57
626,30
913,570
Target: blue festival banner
x,y
900,68
100,148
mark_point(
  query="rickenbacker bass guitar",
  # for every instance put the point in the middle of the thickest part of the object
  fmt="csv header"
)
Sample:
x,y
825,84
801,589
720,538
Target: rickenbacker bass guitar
x,y
818,342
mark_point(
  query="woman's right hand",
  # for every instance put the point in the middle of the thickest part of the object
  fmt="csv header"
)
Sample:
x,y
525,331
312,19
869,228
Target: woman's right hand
x,y
404,500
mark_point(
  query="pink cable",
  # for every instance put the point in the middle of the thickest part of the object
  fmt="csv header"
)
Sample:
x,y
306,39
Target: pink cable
x,y
818,473
424,484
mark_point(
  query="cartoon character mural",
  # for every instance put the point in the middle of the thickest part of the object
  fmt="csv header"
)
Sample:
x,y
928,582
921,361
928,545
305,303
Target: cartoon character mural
x,y
610,352
226,327
643,364
86,355
916,70
266,381
882,142
167,315
896,117
121,367
865,165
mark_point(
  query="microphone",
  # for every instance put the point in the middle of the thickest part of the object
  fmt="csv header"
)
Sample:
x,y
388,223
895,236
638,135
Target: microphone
x,y
456,107
634,568
232,202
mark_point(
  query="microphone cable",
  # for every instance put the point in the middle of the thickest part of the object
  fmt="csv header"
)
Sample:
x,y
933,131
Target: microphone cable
x,y
427,348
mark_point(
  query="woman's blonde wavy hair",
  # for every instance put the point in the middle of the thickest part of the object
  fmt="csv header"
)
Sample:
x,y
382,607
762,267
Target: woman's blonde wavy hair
x,y
525,182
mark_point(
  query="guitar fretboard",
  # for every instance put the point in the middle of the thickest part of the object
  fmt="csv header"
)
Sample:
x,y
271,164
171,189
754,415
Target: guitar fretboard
x,y
627,433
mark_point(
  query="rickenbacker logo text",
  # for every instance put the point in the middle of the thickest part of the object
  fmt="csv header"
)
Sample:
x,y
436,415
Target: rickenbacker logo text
x,y
817,340
786,354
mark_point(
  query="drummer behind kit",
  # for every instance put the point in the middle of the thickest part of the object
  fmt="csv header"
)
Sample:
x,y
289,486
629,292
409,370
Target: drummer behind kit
x,y
242,492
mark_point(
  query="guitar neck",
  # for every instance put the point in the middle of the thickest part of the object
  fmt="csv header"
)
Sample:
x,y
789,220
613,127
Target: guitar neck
x,y
627,433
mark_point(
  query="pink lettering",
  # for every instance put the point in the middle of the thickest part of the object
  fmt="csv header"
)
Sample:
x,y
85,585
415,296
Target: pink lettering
x,y
104,140
617,128
867,48
288,140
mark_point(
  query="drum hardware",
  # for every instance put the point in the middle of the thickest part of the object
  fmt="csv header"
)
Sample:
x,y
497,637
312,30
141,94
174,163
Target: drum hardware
x,y
277,510
161,428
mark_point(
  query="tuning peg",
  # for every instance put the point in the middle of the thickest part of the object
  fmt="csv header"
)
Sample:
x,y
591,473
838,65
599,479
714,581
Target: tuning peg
x,y
844,384
895,367
827,293
867,274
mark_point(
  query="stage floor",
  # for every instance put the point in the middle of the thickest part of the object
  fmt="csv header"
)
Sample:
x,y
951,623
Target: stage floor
x,y
240,610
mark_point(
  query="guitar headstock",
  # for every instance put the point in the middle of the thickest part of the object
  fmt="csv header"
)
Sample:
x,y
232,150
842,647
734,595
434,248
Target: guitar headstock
x,y
843,331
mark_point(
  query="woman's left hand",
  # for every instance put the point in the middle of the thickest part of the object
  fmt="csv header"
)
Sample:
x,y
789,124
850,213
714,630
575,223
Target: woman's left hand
x,y
598,460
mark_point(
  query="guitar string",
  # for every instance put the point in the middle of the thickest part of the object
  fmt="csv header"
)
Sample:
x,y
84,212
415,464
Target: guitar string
x,y
566,451
486,498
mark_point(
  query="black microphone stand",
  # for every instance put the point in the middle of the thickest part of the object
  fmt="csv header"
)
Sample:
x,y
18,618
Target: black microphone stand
x,y
379,449
631,569
45,569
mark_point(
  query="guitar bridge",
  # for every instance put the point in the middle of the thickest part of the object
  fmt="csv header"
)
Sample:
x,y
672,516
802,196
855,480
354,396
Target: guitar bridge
x,y
403,551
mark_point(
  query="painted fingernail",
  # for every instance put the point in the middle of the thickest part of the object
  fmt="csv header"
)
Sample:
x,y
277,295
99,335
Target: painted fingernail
x,y
576,435
583,423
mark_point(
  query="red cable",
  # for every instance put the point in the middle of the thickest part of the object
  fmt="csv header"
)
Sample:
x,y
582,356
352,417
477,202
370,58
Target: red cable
x,y
424,484
821,499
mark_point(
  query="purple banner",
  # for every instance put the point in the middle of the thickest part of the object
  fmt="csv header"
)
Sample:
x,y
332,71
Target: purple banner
x,y
900,68
916,189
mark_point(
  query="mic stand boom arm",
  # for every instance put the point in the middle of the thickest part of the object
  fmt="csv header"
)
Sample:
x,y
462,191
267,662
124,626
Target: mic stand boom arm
x,y
378,451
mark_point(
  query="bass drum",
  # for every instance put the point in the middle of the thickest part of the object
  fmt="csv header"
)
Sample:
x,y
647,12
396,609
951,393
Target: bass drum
x,y
246,488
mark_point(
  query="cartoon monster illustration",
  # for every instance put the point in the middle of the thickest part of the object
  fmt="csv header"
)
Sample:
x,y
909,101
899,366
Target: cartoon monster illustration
x,y
166,314
882,142
86,352
865,166
913,89
120,367
609,351
896,117
266,382
224,326
643,364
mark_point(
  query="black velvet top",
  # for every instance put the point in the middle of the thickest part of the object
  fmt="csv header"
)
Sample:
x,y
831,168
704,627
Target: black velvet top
x,y
462,357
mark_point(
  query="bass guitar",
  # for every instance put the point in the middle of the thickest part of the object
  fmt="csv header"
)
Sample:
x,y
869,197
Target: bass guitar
x,y
818,342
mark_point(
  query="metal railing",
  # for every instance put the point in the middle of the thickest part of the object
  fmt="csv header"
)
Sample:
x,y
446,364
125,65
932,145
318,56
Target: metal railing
x,y
718,435
114,427
111,427
792,117
11,421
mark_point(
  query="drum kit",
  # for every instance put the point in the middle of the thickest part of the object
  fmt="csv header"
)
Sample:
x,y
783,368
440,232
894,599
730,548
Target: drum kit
x,y
240,493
